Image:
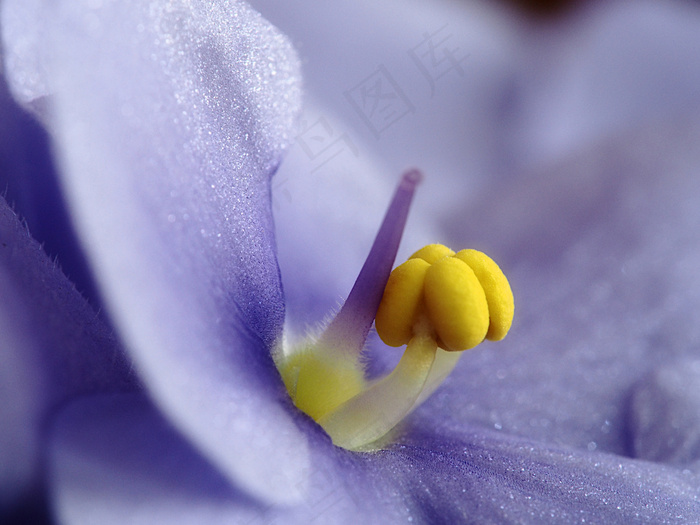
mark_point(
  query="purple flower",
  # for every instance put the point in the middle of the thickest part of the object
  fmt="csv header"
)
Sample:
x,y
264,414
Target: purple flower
x,y
568,151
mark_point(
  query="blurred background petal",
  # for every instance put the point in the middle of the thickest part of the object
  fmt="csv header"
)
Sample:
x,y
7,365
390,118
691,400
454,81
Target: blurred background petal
x,y
52,348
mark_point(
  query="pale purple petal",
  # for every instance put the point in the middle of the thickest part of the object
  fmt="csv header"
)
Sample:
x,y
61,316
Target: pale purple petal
x,y
665,415
499,478
115,460
608,69
446,126
52,347
29,182
169,119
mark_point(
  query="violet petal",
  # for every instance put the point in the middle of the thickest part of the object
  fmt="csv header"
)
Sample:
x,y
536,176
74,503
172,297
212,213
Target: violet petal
x,y
115,460
169,119
52,347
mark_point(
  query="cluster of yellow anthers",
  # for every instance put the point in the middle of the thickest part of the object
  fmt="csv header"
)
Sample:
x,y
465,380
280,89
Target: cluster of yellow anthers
x,y
438,303
454,299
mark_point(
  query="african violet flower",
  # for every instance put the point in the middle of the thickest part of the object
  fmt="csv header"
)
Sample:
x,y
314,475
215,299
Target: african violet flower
x,y
167,121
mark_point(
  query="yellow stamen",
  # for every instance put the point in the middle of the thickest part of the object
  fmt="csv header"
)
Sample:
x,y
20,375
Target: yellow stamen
x,y
456,304
438,303
465,296
374,412
318,382
498,293
401,302
432,253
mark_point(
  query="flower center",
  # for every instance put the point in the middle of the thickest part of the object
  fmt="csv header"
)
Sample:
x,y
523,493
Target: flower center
x,y
438,303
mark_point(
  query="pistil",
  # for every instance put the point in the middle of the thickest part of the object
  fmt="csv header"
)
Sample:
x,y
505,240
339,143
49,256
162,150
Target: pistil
x,y
348,331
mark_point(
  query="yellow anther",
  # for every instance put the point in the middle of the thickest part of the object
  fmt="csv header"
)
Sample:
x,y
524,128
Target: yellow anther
x,y
498,293
464,298
456,304
432,253
400,304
